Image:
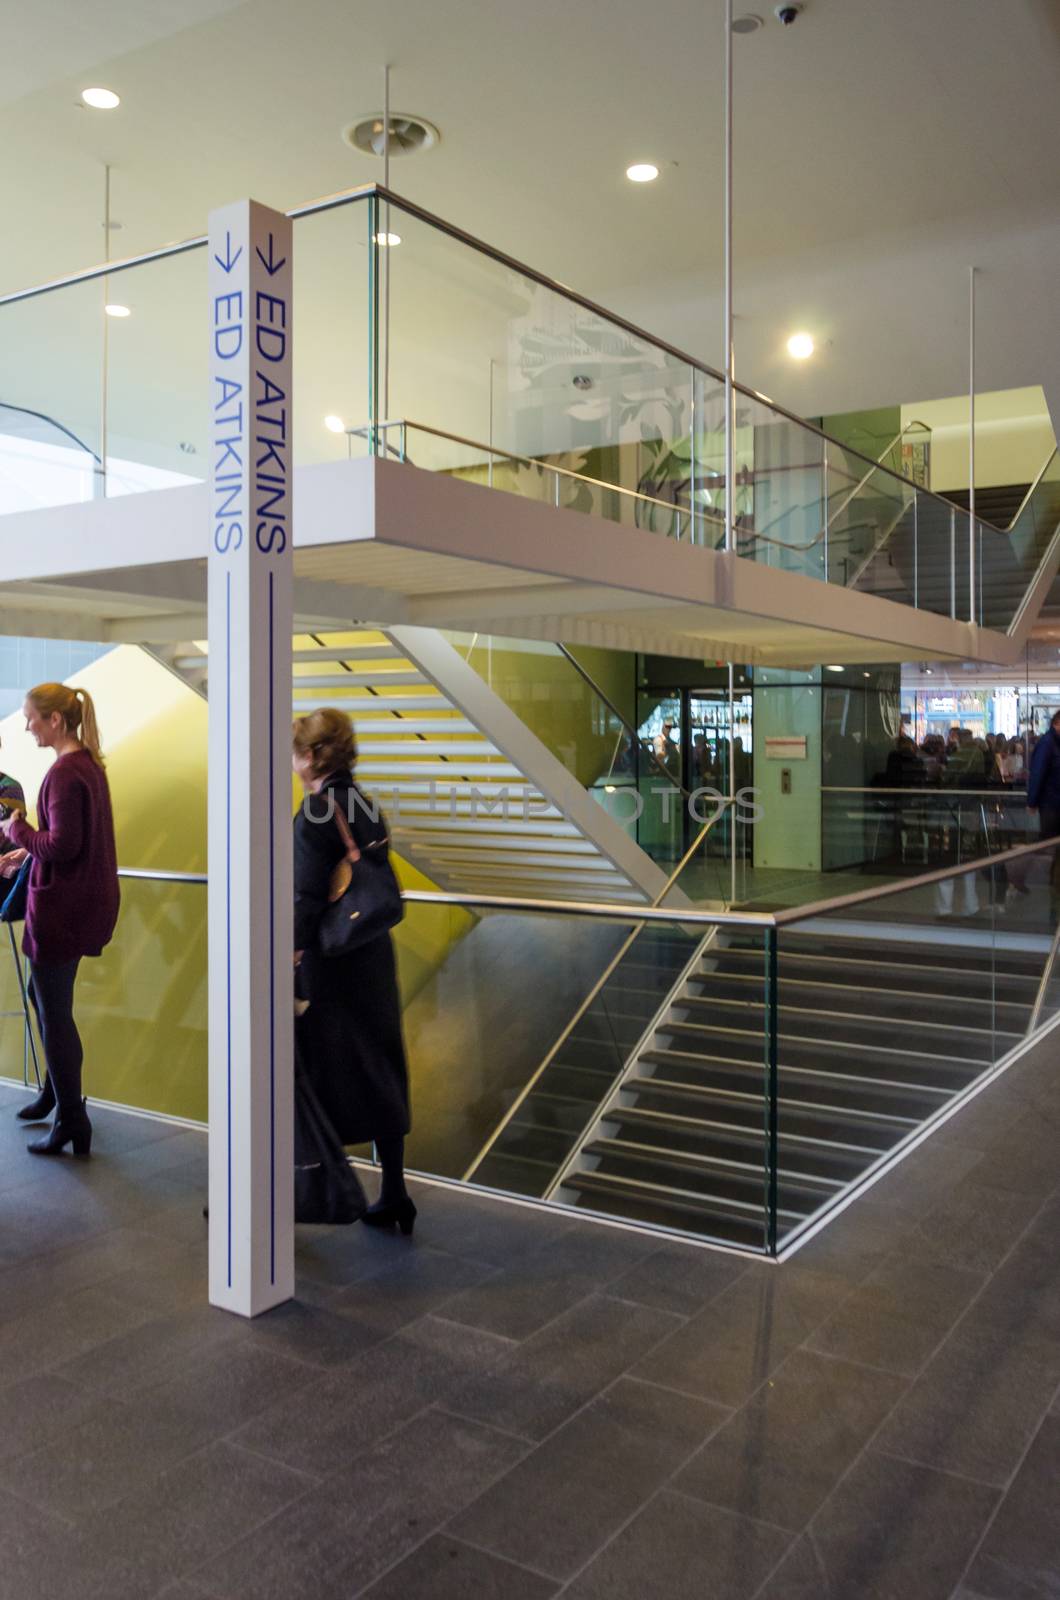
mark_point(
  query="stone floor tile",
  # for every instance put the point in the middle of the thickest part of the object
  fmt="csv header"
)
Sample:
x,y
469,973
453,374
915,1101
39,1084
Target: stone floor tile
x,y
782,1453
125,1252
409,1284
384,1500
445,1569
1020,1557
313,1333
36,1409
891,1531
548,1281
61,1329
974,1227
683,1550
679,1278
182,1518
328,1423
733,1345
557,1508
975,1408
899,1315
541,1383
158,1347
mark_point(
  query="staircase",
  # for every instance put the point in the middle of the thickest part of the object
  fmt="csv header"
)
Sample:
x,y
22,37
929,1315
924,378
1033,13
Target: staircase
x,y
913,562
474,800
876,1035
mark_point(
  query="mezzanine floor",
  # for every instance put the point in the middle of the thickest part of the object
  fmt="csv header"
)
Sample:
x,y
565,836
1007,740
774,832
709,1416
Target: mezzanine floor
x,y
514,1406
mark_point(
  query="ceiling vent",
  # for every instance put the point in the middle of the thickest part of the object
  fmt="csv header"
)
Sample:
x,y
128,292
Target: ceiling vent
x,y
408,135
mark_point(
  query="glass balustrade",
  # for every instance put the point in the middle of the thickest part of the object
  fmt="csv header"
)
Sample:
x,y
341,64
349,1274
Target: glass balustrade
x,y
415,341
727,1075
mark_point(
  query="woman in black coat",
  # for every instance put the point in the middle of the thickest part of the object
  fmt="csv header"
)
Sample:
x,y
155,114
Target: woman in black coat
x,y
349,1039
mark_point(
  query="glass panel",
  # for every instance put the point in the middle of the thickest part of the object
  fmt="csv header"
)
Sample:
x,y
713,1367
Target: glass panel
x,y
1009,561
51,378
888,1013
780,490
141,1007
649,1101
333,330
478,350
157,411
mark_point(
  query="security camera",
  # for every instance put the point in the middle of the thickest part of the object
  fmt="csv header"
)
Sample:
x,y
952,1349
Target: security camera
x,y
787,14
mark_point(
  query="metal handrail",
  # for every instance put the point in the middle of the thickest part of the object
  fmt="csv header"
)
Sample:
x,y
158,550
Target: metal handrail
x,y
634,733
1025,502
365,429
162,876
952,790
831,516
1039,999
605,977
361,191
750,919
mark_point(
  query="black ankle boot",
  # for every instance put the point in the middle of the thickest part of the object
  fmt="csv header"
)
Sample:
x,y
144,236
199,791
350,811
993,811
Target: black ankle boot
x,y
40,1109
75,1130
384,1215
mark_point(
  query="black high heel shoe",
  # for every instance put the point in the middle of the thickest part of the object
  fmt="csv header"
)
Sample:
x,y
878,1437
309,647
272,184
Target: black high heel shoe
x,y
75,1131
40,1109
403,1212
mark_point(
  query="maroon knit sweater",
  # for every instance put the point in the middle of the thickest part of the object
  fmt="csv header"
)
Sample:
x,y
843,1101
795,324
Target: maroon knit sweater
x,y
73,884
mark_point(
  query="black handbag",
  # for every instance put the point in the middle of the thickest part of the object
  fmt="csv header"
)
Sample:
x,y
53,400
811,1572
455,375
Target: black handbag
x,y
326,1188
364,898
13,908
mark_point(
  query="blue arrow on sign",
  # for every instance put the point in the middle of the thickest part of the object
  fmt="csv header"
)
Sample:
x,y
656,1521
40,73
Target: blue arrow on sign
x,y
272,266
230,259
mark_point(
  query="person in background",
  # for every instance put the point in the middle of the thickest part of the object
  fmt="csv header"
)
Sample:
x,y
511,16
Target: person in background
x,y
351,1032
1013,766
72,899
1043,797
12,799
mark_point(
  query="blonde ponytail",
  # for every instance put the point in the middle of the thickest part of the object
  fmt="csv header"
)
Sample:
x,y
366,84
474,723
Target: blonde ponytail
x,y
77,710
89,726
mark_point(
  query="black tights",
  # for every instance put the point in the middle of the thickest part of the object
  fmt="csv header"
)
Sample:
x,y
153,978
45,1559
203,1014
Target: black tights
x,y
51,988
391,1156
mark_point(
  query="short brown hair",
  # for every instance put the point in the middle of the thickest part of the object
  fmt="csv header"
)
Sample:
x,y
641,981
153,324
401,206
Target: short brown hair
x,y
327,738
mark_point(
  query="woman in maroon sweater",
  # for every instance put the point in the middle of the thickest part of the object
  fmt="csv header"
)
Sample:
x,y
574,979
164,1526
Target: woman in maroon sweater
x,y
72,903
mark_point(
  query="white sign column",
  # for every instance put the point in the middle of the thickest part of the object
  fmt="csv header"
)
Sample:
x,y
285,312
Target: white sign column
x,y
250,911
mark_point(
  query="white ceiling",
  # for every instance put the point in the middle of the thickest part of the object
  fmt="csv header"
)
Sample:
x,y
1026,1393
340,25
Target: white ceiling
x,y
880,148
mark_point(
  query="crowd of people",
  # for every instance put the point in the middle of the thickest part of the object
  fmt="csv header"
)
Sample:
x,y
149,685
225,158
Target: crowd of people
x,y
961,760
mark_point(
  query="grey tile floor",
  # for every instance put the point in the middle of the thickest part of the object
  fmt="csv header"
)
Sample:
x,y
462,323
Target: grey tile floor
x,y
513,1406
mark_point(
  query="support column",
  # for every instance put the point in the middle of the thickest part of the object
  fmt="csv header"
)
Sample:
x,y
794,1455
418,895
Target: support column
x,y
250,892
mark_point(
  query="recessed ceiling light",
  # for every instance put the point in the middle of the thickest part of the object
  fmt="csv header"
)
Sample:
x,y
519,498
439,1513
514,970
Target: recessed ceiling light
x,y
800,345
642,172
749,23
334,424
101,99
835,669
114,310
387,238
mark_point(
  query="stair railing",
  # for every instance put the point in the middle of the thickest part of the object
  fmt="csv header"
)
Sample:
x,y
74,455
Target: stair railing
x,y
598,986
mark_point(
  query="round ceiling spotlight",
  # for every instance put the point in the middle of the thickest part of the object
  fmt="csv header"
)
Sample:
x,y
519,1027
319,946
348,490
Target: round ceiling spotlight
x,y
101,99
114,310
642,172
749,23
334,424
387,239
408,134
801,346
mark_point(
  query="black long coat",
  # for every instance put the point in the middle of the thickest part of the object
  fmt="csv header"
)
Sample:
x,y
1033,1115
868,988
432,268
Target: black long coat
x,y
349,1040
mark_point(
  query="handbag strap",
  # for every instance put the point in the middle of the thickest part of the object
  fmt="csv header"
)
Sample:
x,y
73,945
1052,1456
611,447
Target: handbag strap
x,y
352,851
